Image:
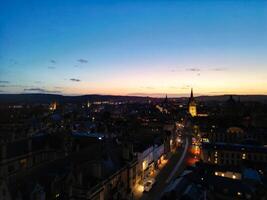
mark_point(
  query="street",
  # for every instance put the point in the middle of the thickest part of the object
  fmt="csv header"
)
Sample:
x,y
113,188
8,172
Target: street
x,y
173,168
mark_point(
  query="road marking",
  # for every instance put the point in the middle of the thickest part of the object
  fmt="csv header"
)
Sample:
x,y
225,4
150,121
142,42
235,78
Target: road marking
x,y
180,161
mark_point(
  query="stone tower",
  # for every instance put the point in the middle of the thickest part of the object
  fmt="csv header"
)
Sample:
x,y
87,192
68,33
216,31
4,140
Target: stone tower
x,y
192,106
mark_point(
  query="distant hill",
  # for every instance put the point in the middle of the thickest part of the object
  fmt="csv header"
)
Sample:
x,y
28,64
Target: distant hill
x,y
244,98
48,98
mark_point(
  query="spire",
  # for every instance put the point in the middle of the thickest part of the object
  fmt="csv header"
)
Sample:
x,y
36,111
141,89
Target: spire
x,y
192,96
192,106
166,99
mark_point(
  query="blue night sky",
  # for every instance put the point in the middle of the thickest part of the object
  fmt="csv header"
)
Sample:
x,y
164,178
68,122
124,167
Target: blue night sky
x,y
133,47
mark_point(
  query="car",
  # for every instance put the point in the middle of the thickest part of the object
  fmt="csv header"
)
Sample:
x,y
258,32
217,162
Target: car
x,y
147,186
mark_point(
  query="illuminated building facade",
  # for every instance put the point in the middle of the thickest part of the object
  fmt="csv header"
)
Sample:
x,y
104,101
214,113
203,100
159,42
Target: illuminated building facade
x,y
53,106
192,106
232,154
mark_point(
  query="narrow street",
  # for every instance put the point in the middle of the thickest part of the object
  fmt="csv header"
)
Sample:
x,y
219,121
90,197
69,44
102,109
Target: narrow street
x,y
181,160
175,164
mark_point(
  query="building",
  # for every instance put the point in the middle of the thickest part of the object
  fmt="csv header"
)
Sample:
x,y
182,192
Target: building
x,y
27,153
192,106
53,106
233,154
205,181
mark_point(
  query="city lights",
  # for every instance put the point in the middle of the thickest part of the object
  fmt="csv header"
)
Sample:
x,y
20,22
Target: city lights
x,y
133,100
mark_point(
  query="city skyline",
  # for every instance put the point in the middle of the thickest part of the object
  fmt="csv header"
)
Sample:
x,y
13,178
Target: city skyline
x,y
133,47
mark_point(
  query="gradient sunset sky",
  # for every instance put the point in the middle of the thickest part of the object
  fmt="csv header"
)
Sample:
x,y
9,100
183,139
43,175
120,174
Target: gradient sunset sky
x,y
133,47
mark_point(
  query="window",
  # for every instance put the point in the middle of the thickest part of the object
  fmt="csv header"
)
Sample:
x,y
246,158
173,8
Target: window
x,y
23,163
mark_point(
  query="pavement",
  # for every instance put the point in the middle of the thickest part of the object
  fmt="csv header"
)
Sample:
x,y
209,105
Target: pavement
x,y
175,164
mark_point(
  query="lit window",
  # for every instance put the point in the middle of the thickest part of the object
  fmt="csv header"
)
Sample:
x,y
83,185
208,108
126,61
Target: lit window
x,y
243,156
23,163
222,174
216,173
144,164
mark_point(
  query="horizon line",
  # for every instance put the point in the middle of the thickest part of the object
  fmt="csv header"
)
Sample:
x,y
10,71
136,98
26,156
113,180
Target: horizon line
x,y
144,95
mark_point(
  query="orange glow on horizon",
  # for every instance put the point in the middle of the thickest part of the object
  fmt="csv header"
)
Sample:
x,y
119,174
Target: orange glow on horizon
x,y
160,82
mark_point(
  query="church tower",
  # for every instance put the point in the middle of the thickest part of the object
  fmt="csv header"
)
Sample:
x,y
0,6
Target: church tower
x,y
165,100
192,106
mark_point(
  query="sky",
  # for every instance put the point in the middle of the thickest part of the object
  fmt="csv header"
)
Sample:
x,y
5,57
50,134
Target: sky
x,y
133,47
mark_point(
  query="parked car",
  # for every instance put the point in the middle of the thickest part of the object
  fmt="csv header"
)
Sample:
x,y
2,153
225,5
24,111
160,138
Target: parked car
x,y
149,184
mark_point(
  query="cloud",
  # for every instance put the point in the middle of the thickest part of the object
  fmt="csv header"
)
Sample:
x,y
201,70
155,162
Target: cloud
x,y
58,87
185,87
1,91
175,69
219,69
17,85
37,82
75,80
41,90
83,61
51,67
193,69
53,61
3,86
4,82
